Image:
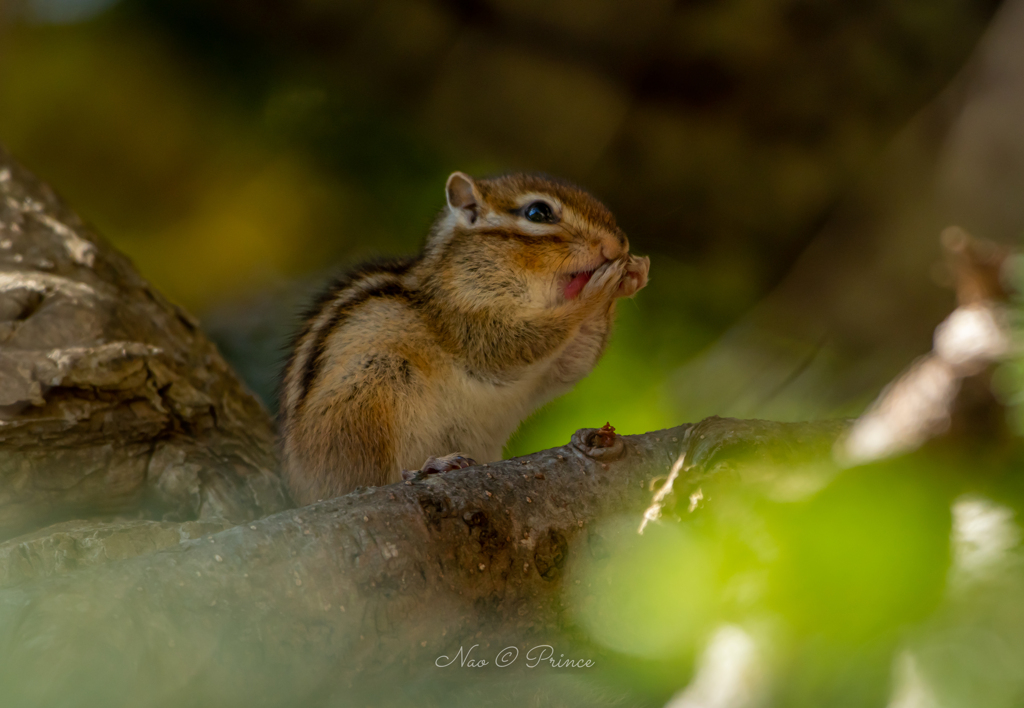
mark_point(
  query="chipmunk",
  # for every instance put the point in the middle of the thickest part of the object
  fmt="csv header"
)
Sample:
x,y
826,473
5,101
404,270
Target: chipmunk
x,y
508,305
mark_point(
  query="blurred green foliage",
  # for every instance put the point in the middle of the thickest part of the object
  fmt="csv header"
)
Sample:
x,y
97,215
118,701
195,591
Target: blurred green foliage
x,y
894,583
628,599
240,152
836,577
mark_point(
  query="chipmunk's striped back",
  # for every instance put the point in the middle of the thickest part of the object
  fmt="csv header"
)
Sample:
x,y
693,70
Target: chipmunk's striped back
x,y
508,305
340,298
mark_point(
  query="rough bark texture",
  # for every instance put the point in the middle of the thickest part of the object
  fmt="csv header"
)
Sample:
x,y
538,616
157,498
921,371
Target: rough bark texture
x,y
350,591
111,399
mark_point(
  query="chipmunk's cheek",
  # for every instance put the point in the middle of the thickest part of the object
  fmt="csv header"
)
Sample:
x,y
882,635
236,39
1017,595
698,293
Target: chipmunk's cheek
x,y
576,284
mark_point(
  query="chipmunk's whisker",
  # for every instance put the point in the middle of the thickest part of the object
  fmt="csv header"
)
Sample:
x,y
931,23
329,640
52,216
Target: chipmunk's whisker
x,y
465,306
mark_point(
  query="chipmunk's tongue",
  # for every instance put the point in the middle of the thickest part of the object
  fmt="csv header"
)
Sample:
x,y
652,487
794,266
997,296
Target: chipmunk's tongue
x,y
576,284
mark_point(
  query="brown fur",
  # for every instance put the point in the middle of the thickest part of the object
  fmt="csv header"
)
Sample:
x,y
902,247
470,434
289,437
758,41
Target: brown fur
x,y
449,351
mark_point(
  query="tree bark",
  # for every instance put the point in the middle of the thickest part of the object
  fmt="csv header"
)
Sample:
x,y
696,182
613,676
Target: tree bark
x,y
111,399
349,592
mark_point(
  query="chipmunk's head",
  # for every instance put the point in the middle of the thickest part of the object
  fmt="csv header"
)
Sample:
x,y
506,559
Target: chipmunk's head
x,y
524,237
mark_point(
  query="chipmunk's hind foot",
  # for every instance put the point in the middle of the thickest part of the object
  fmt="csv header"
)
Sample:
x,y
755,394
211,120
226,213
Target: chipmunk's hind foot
x,y
436,465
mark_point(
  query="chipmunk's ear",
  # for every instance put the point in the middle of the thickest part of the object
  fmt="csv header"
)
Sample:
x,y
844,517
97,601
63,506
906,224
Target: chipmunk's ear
x,y
463,196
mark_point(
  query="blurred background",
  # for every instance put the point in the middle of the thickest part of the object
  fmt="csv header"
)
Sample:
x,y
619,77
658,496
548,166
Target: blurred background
x,y
788,166
241,152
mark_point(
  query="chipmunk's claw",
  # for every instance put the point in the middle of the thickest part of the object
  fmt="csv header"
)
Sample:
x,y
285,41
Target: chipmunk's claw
x,y
635,277
437,465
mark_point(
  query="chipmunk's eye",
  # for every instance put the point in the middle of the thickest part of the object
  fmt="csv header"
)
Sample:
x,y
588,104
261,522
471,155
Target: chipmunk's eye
x,y
540,213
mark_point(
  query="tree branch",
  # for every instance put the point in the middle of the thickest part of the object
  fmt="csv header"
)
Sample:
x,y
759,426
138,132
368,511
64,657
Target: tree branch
x,y
348,591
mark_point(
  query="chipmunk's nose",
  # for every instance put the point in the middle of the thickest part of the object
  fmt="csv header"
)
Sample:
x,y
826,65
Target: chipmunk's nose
x,y
614,245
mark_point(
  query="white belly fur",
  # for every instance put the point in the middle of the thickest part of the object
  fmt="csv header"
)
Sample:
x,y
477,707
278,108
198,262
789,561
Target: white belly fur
x,y
468,415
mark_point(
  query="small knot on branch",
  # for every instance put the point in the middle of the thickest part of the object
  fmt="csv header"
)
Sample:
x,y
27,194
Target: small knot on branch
x,y
602,444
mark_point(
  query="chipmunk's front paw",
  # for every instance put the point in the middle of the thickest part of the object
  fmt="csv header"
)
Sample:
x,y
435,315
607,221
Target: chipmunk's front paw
x,y
605,280
635,277
436,465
